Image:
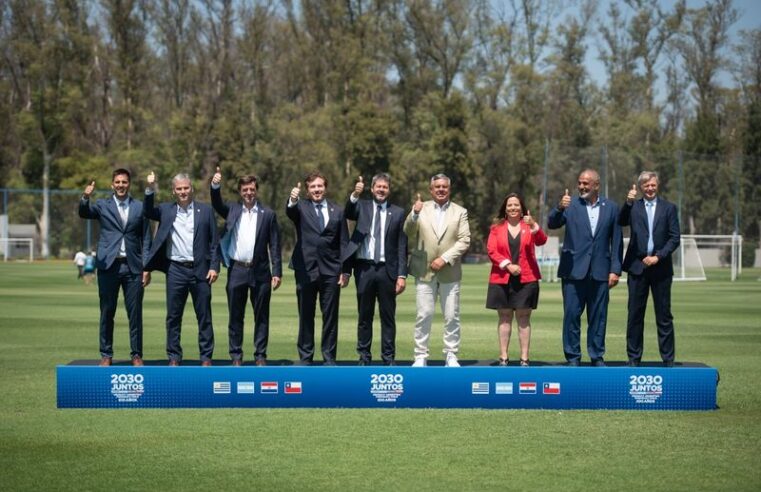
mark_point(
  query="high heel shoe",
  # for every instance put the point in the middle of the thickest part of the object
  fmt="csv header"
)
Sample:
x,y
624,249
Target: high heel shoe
x,y
503,362
524,362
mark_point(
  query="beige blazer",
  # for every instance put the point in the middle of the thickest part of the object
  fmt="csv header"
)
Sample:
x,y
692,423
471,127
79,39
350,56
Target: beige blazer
x,y
426,243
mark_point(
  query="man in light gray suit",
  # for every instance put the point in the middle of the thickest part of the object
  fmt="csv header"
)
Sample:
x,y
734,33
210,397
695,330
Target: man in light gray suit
x,y
439,235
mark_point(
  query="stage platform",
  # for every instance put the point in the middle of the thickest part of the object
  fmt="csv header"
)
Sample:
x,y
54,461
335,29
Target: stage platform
x,y
477,384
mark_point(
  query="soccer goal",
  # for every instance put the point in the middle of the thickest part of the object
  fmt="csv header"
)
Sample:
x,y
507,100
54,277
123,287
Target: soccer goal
x,y
17,248
688,265
709,250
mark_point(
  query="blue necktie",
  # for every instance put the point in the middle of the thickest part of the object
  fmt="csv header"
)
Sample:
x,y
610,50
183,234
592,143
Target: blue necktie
x,y
650,219
320,217
377,234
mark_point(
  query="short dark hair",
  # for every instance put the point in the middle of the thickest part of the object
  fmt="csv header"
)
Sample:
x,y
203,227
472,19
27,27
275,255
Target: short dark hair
x,y
120,171
314,175
248,179
502,213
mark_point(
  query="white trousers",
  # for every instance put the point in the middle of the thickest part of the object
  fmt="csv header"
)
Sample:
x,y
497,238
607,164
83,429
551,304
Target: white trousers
x,y
425,297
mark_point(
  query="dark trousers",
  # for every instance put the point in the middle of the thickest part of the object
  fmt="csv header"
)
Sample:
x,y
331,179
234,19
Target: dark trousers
x,y
242,284
180,281
326,287
639,288
578,295
109,282
373,283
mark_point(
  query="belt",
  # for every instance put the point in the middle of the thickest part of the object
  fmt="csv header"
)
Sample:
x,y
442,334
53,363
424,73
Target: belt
x,y
186,264
120,259
362,261
247,264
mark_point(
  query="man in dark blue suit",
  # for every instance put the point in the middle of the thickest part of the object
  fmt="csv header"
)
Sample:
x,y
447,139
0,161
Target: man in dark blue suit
x,y
377,251
185,248
654,237
590,265
250,249
321,237
123,244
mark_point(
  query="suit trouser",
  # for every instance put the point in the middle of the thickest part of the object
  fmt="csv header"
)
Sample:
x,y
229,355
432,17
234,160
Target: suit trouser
x,y
242,283
374,283
425,299
577,295
329,292
109,282
180,281
660,286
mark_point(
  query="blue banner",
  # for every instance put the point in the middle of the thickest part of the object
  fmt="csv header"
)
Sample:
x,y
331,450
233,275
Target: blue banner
x,y
548,387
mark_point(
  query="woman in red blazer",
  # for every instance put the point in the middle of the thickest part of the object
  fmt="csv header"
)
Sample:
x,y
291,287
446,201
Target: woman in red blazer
x,y
514,279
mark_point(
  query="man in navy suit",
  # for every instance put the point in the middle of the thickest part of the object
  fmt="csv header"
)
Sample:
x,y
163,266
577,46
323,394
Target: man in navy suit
x,y
590,265
377,251
250,249
654,237
321,237
185,248
124,241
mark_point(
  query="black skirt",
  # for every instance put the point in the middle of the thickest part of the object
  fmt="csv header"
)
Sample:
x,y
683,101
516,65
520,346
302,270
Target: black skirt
x,y
513,295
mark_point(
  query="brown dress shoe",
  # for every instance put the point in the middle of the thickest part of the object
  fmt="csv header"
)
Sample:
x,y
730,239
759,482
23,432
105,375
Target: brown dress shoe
x,y
137,361
206,363
105,361
261,362
237,362
174,363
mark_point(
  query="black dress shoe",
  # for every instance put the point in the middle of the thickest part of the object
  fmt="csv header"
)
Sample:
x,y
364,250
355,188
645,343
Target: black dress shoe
x,y
573,363
329,362
389,363
363,362
668,363
633,363
598,363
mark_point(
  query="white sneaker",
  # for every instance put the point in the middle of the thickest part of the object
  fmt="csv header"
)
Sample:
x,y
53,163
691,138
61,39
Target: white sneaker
x,y
452,360
420,362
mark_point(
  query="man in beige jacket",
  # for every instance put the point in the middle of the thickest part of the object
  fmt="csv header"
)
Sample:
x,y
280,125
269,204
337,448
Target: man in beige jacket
x,y
439,235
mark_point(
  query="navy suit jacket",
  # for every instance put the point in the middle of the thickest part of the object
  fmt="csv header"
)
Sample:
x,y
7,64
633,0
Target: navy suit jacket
x,y
666,236
205,251
582,253
267,245
395,240
317,252
136,234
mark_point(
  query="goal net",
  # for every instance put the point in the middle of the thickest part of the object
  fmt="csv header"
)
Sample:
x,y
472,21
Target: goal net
x,y
17,248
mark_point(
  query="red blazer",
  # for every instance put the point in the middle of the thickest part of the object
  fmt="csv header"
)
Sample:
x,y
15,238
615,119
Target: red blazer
x,y
499,251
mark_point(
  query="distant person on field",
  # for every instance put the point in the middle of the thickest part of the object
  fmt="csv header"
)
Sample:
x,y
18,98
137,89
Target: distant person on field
x,y
654,237
185,248
590,264
250,249
79,261
439,235
514,279
124,241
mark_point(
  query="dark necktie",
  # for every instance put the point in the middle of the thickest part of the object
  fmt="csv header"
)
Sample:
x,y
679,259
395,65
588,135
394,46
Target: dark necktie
x,y
377,234
320,217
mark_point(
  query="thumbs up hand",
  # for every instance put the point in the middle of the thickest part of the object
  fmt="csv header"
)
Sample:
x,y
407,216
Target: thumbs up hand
x,y
632,194
358,188
151,180
217,178
528,219
418,205
89,189
565,201
295,192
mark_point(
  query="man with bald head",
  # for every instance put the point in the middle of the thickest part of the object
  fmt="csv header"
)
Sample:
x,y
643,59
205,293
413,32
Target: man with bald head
x,y
590,264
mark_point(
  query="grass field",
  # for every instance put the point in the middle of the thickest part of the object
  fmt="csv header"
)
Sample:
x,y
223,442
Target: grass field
x,y
49,318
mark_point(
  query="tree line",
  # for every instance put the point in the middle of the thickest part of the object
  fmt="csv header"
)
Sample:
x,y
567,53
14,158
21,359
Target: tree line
x,y
486,92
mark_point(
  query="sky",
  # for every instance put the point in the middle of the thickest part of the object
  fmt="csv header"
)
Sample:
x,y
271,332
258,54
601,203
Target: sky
x,y
749,17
